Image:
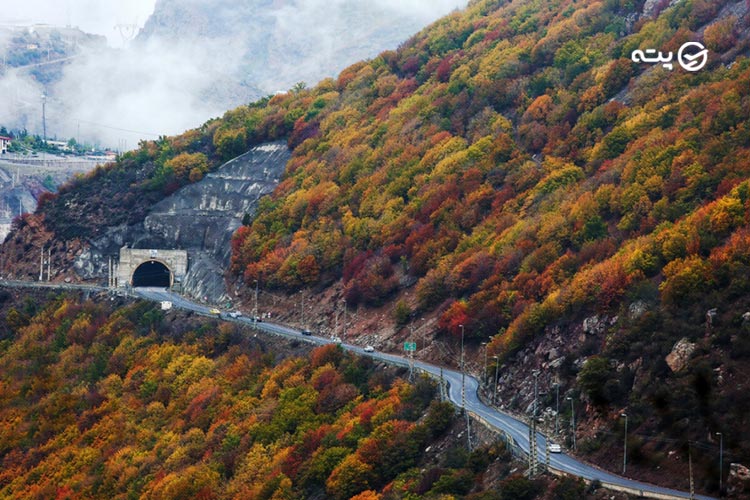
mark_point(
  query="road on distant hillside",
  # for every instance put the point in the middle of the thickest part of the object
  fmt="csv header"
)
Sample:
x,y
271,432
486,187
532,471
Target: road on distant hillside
x,y
515,429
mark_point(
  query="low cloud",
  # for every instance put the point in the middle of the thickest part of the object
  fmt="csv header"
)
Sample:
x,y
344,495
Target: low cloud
x,y
163,85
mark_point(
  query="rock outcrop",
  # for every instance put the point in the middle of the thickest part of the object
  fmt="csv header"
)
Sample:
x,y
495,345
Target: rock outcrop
x,y
680,355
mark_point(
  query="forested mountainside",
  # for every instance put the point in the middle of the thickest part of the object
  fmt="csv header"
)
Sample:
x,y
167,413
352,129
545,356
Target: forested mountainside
x,y
514,169
115,401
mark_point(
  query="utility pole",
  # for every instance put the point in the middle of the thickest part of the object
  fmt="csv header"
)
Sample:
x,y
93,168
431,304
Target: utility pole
x,y
49,263
343,327
572,422
690,471
533,452
336,322
424,334
302,310
463,373
721,461
497,367
463,390
625,445
255,308
41,265
484,371
109,272
533,447
44,116
557,406
411,353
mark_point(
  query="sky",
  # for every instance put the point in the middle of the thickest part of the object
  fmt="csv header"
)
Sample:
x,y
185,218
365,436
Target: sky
x,y
93,16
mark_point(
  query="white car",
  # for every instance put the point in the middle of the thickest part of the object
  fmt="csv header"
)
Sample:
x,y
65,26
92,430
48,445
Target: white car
x,y
235,314
369,348
555,448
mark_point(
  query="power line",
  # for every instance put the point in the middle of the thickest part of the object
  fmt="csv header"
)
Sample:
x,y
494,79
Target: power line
x,y
118,128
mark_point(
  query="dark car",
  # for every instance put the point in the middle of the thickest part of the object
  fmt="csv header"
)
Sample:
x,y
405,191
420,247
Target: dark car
x,y
306,332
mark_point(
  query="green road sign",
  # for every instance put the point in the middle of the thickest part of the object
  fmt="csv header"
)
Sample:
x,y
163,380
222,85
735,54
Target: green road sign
x,y
410,346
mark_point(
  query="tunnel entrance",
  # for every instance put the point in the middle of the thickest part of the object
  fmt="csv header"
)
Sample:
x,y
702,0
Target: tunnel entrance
x,y
152,273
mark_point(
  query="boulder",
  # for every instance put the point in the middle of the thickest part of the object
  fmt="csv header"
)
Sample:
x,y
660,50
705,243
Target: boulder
x,y
738,482
636,309
681,352
594,325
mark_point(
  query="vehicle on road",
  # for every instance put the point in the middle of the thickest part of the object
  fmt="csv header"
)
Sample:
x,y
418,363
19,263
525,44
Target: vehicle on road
x,y
166,305
369,348
257,319
555,448
235,314
306,332
215,311
336,339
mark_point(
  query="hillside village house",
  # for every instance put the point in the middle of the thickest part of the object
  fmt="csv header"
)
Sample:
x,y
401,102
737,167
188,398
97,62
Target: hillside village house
x,y
4,144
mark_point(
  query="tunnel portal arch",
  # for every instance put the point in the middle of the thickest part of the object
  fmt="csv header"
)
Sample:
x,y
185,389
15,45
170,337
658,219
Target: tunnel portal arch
x,y
151,267
152,273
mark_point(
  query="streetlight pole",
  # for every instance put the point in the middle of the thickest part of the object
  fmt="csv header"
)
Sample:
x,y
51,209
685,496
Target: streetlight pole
x,y
411,352
536,378
572,422
625,445
557,406
721,461
497,366
424,334
463,373
532,429
302,309
484,372
255,310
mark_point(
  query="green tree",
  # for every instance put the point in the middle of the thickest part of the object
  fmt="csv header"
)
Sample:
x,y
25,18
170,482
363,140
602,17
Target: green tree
x,y
593,377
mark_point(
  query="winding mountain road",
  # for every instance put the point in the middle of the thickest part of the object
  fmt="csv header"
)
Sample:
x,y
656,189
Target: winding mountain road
x,y
514,429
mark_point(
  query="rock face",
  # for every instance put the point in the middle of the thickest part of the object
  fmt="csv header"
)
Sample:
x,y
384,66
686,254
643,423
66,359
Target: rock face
x,y
680,355
199,218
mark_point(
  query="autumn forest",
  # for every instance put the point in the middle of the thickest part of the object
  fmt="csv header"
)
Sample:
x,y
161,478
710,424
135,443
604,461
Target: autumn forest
x,y
512,168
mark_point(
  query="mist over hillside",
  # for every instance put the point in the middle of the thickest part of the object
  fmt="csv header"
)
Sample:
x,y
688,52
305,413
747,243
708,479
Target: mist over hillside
x,y
194,60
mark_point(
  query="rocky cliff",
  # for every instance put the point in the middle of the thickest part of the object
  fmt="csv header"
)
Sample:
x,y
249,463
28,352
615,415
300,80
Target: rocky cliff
x,y
200,218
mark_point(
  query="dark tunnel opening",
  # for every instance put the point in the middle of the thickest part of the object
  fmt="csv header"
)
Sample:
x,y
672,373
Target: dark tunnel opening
x,y
152,273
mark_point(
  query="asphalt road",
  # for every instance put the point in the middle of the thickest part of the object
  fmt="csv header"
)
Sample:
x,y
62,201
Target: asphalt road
x,y
517,430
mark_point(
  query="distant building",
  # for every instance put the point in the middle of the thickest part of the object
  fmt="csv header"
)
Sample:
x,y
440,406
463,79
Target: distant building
x,y
4,144
62,145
